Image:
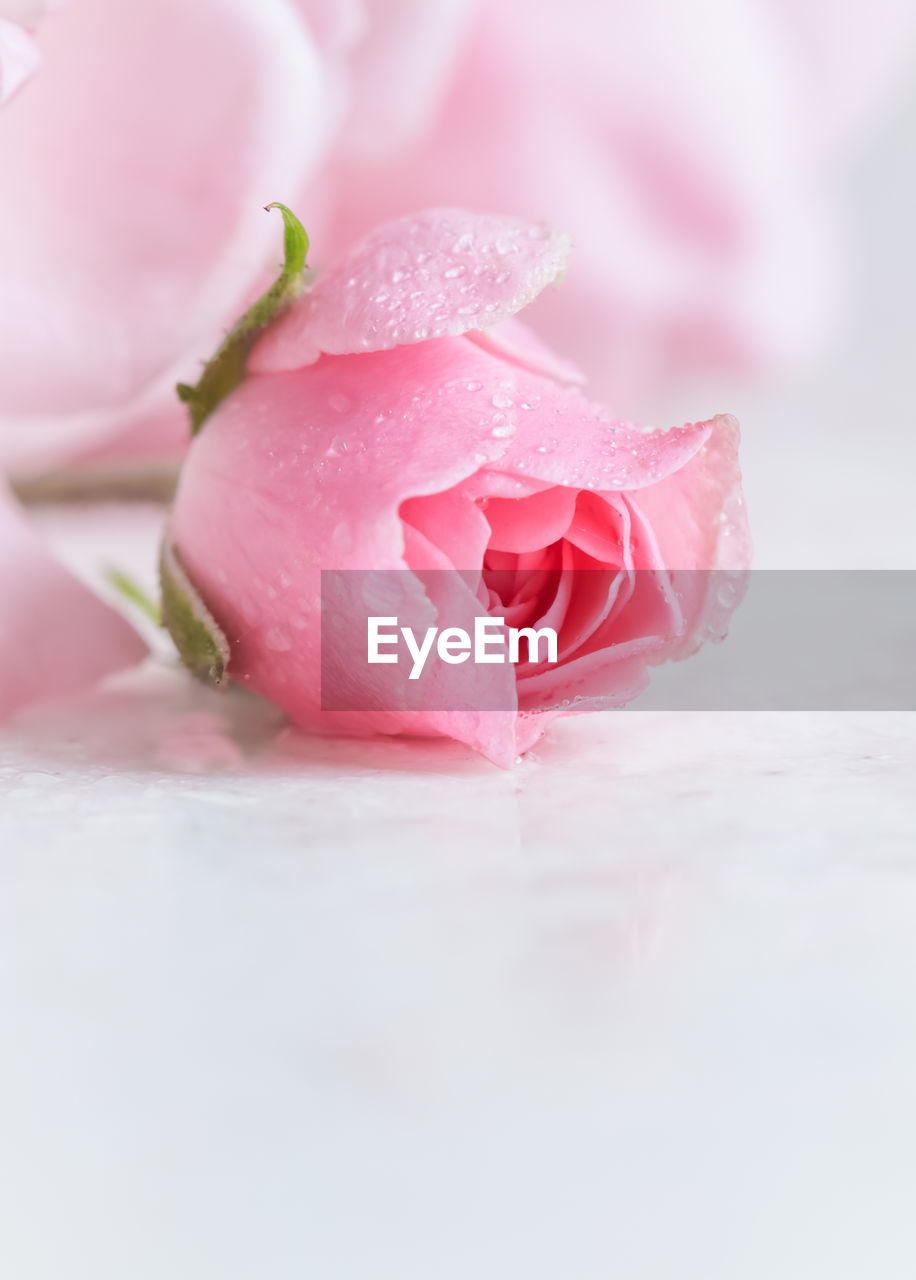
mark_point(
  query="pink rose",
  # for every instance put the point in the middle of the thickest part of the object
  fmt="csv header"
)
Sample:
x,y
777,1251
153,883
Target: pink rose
x,y
398,418
134,165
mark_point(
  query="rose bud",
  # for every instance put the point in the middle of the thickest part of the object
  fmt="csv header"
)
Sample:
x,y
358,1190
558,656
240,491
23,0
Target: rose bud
x,y
395,421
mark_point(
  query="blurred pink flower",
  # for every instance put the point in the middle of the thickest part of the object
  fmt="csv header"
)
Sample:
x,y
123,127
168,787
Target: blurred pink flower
x,y
56,637
398,418
135,164
691,150
18,57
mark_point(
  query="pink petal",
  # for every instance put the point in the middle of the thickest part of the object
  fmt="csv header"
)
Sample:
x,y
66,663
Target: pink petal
x,y
498,484
513,341
601,528
423,40
557,436
693,522
704,238
27,13
56,637
435,274
453,523
134,170
599,680
19,57
527,524
696,514
341,445
691,527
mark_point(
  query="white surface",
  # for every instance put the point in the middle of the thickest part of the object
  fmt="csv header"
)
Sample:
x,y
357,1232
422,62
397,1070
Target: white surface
x,y
279,1008
282,1008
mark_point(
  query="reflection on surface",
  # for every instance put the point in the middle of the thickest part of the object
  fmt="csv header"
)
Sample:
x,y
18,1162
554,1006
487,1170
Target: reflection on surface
x,y
265,986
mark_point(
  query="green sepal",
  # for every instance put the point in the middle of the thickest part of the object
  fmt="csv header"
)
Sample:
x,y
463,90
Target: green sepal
x,y
200,642
224,371
132,591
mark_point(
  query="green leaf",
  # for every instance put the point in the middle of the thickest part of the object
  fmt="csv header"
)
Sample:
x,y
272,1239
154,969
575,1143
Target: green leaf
x,y
133,592
224,371
203,647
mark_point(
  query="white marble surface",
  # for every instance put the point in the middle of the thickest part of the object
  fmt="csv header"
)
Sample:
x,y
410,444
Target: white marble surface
x,y
274,1008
